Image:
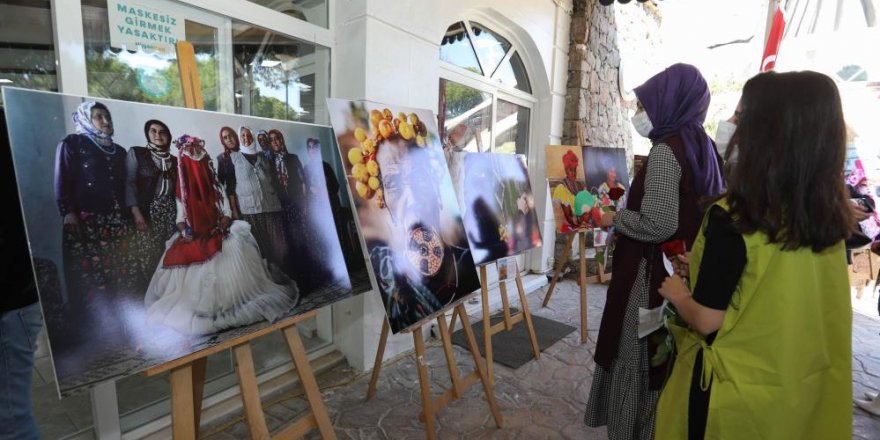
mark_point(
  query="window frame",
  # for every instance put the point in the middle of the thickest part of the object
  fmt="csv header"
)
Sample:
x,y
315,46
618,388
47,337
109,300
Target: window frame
x,y
488,83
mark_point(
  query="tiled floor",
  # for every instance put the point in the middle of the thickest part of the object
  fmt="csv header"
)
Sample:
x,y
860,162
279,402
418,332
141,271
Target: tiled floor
x,y
542,399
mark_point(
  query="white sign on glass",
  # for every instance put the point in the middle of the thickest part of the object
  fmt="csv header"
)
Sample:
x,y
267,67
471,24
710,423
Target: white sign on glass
x,y
135,26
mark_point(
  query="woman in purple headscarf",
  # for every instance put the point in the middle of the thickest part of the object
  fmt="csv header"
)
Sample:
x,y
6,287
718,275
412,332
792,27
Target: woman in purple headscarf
x,y
663,208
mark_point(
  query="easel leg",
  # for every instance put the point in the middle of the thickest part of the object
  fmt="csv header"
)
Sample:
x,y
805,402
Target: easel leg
x,y
527,315
487,324
424,383
250,391
187,386
310,385
485,377
505,305
446,338
562,260
583,284
452,320
377,364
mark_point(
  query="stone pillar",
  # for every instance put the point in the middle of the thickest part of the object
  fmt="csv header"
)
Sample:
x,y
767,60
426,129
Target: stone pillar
x,y
593,96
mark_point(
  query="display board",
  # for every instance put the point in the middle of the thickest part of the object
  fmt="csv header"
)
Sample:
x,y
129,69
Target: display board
x,y
155,233
565,175
497,202
406,208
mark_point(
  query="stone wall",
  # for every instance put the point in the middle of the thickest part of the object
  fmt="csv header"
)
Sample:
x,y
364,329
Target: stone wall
x,y
593,95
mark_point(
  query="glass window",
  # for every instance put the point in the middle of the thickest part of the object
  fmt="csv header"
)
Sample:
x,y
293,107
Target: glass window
x,y
275,76
456,49
465,117
511,128
147,74
513,73
490,47
312,11
27,50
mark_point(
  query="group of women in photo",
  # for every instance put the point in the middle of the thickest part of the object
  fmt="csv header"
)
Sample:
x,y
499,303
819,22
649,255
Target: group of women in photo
x,y
205,249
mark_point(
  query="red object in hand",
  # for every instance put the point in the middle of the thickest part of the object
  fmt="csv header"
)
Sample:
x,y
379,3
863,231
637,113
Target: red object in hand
x,y
673,248
616,193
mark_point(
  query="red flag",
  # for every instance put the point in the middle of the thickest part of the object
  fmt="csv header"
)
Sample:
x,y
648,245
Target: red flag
x,y
773,41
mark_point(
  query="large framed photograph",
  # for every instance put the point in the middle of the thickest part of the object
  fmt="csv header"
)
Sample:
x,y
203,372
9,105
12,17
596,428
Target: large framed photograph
x,y
406,207
156,232
497,202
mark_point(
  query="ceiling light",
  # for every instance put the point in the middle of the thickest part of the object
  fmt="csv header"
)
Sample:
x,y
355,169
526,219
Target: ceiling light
x,y
5,81
270,63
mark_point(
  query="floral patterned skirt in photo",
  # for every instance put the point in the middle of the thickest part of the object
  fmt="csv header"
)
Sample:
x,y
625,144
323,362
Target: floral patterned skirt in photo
x,y
148,246
97,260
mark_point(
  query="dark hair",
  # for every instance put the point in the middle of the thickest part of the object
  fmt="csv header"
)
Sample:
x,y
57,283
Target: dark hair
x,y
99,106
155,122
312,143
788,179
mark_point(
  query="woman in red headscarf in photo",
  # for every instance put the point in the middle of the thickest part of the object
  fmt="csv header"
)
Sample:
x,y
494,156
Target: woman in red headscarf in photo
x,y
565,192
212,276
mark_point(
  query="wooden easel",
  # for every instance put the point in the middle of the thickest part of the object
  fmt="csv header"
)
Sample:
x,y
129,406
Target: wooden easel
x,y
583,279
509,319
188,382
188,372
430,404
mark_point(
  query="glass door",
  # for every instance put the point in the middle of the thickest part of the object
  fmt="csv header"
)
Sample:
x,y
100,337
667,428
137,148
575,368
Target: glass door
x,y
121,65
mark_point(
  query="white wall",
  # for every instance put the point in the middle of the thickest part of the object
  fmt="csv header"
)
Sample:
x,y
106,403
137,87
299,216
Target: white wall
x,y
388,51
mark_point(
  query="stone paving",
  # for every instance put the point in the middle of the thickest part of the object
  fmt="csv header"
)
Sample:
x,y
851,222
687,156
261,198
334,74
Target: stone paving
x,y
542,399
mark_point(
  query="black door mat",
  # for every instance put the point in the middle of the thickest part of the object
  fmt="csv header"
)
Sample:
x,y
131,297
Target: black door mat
x,y
514,348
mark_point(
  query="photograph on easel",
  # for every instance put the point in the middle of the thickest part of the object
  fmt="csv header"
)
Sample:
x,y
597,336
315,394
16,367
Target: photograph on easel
x,y
568,189
497,203
606,176
158,231
406,207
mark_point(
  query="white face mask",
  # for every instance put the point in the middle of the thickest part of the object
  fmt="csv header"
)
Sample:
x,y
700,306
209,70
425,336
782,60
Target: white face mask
x,y
723,135
642,123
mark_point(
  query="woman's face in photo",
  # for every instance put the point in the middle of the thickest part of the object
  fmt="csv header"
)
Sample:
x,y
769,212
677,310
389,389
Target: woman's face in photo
x,y
263,140
612,175
230,141
314,150
275,142
102,121
247,137
159,136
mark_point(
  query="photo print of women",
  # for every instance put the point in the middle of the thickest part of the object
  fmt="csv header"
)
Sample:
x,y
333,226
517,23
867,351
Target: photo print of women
x,y
607,183
565,176
158,231
406,207
498,204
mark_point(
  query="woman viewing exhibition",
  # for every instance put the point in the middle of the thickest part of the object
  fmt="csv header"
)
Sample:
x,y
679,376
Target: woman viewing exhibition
x,y
662,207
768,350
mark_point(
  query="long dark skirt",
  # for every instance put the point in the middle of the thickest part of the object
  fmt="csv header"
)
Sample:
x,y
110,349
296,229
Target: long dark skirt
x,y
309,257
98,274
148,246
268,230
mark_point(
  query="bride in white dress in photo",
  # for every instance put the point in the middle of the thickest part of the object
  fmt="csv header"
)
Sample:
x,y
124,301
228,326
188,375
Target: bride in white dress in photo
x,y
212,276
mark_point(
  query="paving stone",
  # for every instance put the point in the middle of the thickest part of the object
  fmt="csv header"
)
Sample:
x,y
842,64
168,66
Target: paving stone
x,y
541,399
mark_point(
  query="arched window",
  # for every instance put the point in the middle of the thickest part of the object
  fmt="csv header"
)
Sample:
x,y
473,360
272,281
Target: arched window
x,y
485,96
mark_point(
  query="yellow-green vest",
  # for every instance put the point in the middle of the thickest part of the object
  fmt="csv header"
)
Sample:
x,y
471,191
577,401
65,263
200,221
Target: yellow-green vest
x,y
781,363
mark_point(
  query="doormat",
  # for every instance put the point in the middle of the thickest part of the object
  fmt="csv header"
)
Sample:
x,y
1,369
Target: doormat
x,y
514,348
